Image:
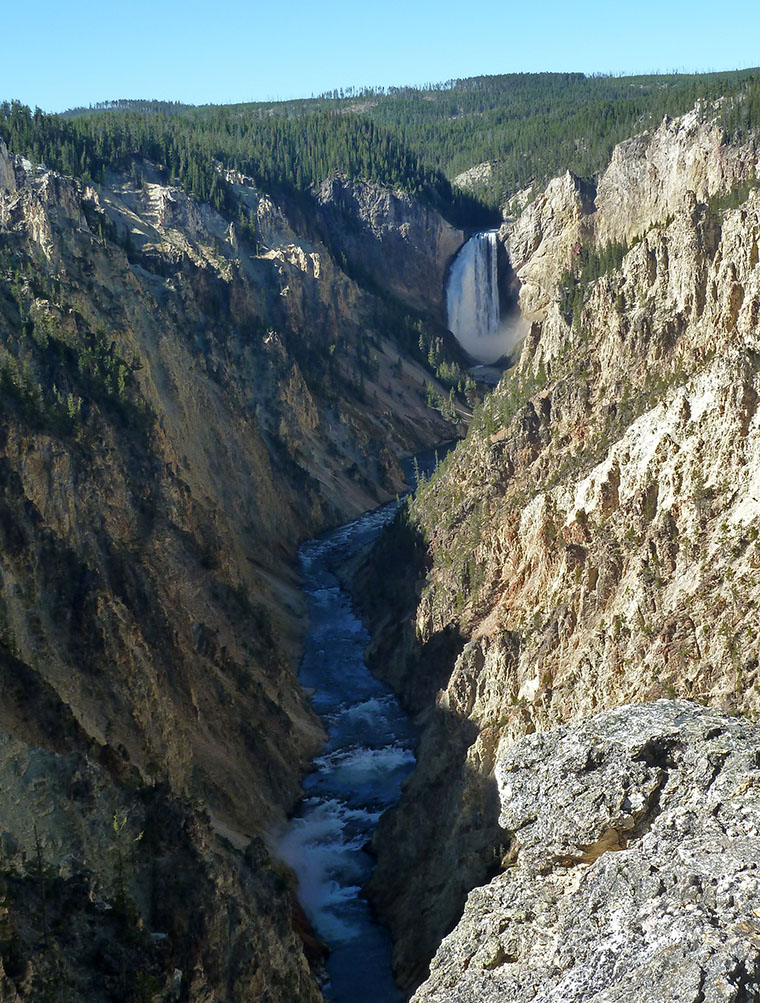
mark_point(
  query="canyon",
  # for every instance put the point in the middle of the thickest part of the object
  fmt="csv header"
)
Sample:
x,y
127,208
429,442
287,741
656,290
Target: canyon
x,y
180,412
567,606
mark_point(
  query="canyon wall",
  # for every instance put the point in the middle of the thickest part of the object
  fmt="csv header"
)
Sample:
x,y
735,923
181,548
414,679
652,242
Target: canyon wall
x,y
183,402
387,236
594,541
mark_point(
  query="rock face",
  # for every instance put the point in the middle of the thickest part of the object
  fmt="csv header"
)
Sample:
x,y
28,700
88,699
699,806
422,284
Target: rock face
x,y
544,237
130,893
649,180
594,540
7,173
404,247
474,177
649,176
632,851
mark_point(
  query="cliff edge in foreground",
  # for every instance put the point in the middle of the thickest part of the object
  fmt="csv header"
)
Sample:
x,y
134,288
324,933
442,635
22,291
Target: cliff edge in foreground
x,y
633,872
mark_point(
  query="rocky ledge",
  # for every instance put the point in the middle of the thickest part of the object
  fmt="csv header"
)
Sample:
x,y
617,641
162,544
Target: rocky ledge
x,y
631,867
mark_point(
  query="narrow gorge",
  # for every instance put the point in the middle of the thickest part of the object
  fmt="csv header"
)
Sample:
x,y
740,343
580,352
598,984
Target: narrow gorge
x,y
369,752
361,771
272,728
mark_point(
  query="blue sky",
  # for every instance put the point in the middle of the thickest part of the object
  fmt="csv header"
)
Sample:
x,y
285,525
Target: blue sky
x,y
58,55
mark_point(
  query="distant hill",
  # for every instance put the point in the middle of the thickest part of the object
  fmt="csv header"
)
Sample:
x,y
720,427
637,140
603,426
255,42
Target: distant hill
x,y
129,104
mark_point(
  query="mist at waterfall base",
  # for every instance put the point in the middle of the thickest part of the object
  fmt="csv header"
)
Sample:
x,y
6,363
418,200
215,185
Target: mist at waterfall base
x,y
472,302
359,774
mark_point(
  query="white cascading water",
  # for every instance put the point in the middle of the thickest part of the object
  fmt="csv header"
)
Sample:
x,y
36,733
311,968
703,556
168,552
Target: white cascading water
x,y
472,301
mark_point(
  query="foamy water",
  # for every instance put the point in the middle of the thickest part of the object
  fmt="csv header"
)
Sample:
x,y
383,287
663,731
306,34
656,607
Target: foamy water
x,y
472,302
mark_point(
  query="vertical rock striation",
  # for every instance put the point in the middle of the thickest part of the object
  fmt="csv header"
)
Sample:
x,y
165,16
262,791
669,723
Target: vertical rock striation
x,y
387,236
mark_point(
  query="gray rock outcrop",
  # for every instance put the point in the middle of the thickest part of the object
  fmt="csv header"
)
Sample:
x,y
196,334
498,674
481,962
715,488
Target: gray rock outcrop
x,y
7,174
633,872
403,245
474,177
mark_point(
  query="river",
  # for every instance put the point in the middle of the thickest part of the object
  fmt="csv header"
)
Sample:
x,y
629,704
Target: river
x,y
368,754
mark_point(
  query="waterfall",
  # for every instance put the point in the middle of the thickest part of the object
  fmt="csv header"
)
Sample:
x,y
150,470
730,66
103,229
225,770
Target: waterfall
x,y
472,301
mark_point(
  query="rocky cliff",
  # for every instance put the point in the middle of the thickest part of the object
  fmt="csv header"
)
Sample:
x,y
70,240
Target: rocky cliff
x,y
182,403
385,234
633,866
594,541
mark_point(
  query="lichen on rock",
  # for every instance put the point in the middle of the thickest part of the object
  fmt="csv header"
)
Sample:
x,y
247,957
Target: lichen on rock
x,y
635,872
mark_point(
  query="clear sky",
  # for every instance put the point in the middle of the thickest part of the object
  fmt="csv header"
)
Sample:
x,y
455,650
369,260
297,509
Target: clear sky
x,y
61,54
